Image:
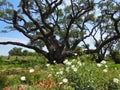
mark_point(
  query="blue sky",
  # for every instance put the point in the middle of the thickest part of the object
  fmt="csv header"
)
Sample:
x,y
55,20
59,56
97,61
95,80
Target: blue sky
x,y
11,36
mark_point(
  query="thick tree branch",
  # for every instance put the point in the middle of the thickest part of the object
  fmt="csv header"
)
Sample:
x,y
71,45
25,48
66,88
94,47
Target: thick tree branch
x,y
101,45
23,45
15,24
30,17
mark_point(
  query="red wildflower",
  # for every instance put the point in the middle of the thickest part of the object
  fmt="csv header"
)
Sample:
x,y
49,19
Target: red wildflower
x,y
48,86
21,89
46,81
35,83
51,78
6,83
5,88
39,84
58,85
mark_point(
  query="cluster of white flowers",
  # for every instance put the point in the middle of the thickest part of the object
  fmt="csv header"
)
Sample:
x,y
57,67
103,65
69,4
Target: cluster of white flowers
x,y
67,69
74,68
65,80
103,62
66,62
79,63
59,73
73,65
116,80
23,78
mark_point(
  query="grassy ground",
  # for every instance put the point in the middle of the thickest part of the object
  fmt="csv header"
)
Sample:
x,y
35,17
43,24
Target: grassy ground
x,y
31,73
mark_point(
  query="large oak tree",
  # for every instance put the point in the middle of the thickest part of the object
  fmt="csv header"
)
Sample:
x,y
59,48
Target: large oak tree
x,y
62,28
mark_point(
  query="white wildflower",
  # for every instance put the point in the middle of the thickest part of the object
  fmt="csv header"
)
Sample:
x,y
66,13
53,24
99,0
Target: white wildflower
x,y
67,69
47,65
65,80
115,80
99,65
105,70
66,60
61,83
31,70
106,66
61,72
49,75
116,68
75,54
73,66
57,73
23,78
54,61
68,63
79,63
103,62
74,69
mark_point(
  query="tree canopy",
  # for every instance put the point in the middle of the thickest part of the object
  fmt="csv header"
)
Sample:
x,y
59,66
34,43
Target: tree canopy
x,y
62,28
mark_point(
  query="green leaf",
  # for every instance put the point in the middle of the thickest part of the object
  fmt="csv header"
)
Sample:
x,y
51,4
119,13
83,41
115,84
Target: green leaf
x,y
2,13
9,11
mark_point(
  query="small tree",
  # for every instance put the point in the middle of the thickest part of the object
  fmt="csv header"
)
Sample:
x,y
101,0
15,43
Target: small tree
x,y
25,52
15,52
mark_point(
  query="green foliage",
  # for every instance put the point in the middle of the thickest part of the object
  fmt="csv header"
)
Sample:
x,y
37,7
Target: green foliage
x,y
15,52
2,13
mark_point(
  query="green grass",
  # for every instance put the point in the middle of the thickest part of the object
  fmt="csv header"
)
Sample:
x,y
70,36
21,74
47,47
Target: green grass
x,y
76,74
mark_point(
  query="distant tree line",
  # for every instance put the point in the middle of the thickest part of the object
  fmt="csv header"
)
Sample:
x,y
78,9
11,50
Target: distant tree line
x,y
19,52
